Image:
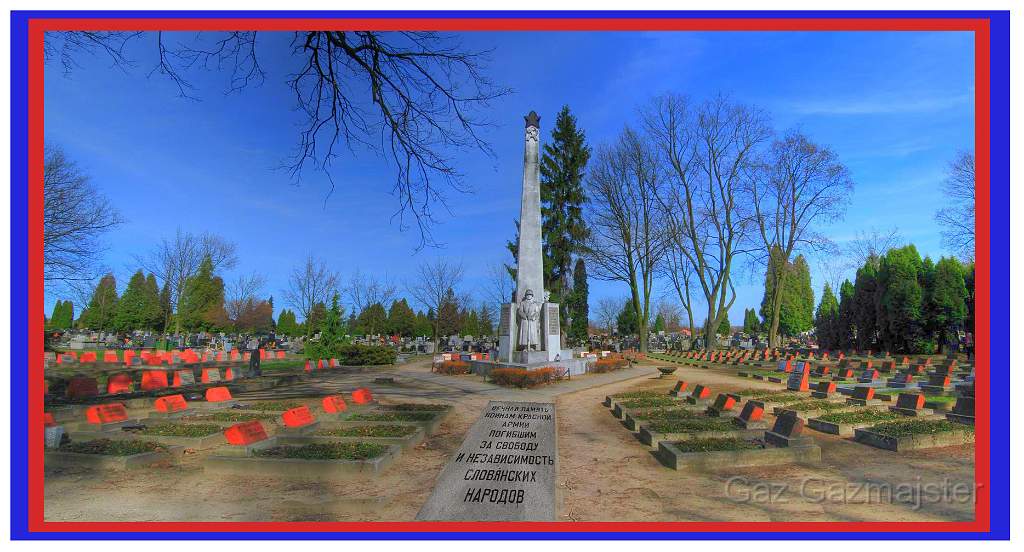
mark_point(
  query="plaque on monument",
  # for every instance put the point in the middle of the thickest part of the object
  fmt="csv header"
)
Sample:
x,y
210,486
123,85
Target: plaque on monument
x,y
553,320
504,471
505,323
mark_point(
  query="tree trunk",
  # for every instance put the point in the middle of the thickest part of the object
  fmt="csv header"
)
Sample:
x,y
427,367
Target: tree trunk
x,y
773,331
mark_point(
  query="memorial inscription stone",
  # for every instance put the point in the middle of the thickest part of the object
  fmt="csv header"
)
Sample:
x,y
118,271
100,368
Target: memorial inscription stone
x,y
504,471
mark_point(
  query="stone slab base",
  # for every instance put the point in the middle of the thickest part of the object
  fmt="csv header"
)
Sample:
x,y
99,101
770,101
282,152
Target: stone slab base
x,y
913,442
674,458
106,462
960,418
654,438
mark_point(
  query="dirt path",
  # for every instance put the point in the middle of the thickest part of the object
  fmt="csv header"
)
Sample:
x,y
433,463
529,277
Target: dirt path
x,y
609,475
605,472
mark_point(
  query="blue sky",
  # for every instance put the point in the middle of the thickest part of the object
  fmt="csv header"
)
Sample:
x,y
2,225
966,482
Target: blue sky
x,y
895,106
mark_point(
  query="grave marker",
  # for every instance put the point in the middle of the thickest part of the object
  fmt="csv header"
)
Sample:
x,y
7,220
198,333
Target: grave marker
x,y
119,383
787,432
218,394
246,433
298,417
171,403
362,396
334,404
184,378
154,379
106,413
505,469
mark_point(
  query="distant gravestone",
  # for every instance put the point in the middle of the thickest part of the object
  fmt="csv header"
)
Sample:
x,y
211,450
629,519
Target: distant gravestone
x,y
504,471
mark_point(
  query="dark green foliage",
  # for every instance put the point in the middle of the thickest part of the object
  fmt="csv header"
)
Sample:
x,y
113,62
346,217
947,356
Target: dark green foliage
x,y
449,319
316,318
372,321
796,312
486,320
63,316
692,425
139,307
868,415
325,451
579,305
865,318
751,325
201,307
826,320
562,167
845,328
99,315
416,407
900,318
648,402
401,319
470,323
659,323
273,406
165,307
287,324
424,327
332,334
353,354
724,326
233,416
627,322
946,304
112,447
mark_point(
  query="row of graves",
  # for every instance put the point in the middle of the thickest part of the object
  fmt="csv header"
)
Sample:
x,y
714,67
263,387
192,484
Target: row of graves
x,y
698,429
151,357
332,437
94,383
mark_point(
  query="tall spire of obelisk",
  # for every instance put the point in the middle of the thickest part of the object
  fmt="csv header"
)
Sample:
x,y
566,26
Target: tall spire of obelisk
x,y
530,259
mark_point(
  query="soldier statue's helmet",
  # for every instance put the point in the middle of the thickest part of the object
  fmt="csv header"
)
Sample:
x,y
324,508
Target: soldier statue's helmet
x,y
529,293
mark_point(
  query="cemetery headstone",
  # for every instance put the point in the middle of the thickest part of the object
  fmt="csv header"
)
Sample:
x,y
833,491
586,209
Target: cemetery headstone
x,y
786,432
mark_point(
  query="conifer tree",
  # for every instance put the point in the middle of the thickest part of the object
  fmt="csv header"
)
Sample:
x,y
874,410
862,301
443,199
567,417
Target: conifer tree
x,y
99,315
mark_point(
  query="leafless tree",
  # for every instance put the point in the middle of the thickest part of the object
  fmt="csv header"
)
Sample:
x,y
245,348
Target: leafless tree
x,y
313,282
365,290
75,215
669,312
499,286
412,97
705,150
242,291
958,217
798,184
871,243
432,282
679,271
627,240
175,261
607,313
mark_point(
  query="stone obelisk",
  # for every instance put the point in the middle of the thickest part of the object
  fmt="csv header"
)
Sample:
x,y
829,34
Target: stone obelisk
x,y
529,258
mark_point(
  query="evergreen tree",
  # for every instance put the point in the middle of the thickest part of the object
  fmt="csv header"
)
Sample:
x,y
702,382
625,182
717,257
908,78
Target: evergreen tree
x,y
486,318
864,311
165,307
562,167
899,305
373,320
751,325
99,315
63,316
424,327
826,320
470,323
316,317
286,323
796,313
139,307
448,319
332,333
659,323
401,319
579,306
627,323
724,326
846,330
947,307
202,304
969,284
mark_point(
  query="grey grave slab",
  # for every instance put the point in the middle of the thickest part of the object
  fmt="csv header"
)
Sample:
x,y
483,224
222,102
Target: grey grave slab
x,y
504,470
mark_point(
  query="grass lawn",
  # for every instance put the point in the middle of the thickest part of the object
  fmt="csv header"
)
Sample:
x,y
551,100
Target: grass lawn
x,y
714,445
918,427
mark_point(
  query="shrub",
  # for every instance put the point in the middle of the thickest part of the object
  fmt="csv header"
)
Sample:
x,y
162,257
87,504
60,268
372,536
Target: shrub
x,y
519,377
918,427
692,425
392,431
608,364
354,354
452,368
180,430
649,402
860,417
273,406
391,417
